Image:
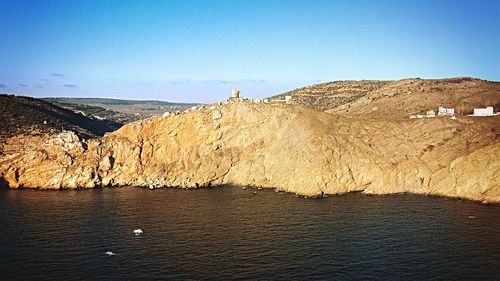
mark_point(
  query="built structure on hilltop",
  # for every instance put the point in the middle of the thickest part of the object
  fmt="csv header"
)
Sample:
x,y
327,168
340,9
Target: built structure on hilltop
x,y
443,111
235,94
487,111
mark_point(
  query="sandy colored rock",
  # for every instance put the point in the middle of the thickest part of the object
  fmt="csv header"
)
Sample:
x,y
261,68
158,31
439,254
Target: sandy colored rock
x,y
290,148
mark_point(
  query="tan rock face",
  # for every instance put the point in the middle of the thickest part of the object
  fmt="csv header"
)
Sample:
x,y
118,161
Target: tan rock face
x,y
269,145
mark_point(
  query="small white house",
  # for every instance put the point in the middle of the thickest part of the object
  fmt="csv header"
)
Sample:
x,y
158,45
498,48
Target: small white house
x,y
443,111
431,114
288,99
488,111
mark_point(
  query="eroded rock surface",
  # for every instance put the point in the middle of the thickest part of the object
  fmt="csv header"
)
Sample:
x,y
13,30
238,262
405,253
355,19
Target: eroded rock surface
x,y
289,148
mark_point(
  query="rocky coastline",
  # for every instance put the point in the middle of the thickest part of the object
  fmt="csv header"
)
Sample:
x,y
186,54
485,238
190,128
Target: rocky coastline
x,y
286,147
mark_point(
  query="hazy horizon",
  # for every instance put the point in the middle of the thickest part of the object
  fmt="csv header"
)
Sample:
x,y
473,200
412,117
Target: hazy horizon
x,y
223,96
197,51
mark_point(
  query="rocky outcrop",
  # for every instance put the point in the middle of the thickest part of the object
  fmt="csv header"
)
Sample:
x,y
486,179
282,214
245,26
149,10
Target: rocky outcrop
x,y
289,148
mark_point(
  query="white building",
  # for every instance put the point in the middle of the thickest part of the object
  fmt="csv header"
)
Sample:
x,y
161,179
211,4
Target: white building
x,y
488,111
431,114
288,99
443,111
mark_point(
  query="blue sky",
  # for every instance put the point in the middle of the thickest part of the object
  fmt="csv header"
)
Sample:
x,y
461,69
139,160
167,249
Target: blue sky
x,y
197,51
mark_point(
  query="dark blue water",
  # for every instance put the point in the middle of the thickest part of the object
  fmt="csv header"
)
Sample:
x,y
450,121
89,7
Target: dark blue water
x,y
228,233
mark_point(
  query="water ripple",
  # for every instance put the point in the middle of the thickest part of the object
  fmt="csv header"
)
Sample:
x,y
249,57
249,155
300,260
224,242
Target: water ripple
x,y
228,233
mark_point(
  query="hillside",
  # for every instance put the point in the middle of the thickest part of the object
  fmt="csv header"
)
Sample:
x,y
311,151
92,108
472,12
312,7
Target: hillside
x,y
96,112
397,99
332,94
274,145
400,99
130,109
25,115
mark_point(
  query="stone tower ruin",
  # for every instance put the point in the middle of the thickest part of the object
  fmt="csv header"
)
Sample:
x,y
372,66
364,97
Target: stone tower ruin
x,y
235,94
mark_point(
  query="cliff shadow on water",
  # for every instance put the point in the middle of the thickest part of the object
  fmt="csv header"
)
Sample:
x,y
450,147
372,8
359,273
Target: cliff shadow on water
x,y
3,183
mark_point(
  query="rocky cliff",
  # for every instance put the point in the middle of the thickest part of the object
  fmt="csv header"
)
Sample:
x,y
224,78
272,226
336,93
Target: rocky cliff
x,y
289,148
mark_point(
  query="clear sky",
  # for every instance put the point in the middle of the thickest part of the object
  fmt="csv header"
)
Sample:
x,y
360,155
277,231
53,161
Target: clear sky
x,y
197,51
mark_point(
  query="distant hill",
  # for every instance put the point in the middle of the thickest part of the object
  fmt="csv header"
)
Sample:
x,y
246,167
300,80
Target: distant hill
x,y
96,112
331,94
134,109
26,115
399,99
106,101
